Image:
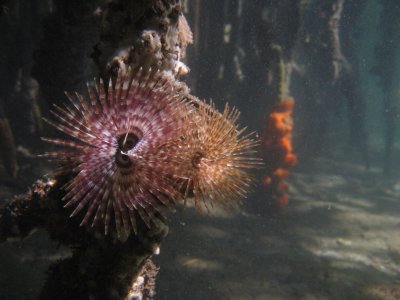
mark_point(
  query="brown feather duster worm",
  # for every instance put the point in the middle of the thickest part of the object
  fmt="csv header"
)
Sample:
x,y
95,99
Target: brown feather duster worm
x,y
138,142
217,157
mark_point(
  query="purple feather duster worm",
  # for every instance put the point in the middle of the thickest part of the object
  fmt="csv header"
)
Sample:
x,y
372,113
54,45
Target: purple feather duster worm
x,y
120,155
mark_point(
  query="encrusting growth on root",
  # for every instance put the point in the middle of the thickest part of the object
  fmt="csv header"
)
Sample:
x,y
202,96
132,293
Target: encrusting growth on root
x,y
278,151
137,142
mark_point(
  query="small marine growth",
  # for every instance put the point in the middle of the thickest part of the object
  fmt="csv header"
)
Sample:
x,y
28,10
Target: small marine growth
x,y
278,151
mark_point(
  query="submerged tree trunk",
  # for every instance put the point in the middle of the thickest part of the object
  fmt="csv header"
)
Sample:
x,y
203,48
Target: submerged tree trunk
x,y
137,34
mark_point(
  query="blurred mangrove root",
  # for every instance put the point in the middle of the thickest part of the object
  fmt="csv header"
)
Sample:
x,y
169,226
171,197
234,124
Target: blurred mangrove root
x,y
8,152
386,70
277,32
321,38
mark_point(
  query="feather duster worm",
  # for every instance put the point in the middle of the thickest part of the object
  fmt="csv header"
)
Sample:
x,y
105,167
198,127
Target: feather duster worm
x,y
277,147
217,157
137,142
118,158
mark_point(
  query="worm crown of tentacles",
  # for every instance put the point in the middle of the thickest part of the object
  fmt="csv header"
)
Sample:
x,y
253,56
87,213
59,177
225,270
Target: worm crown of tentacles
x,y
217,157
142,144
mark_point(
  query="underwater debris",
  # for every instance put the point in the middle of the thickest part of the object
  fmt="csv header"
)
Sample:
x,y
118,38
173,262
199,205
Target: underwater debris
x,y
139,144
278,151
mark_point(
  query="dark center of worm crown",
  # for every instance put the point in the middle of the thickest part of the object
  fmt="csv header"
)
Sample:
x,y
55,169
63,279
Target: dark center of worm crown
x,y
125,142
